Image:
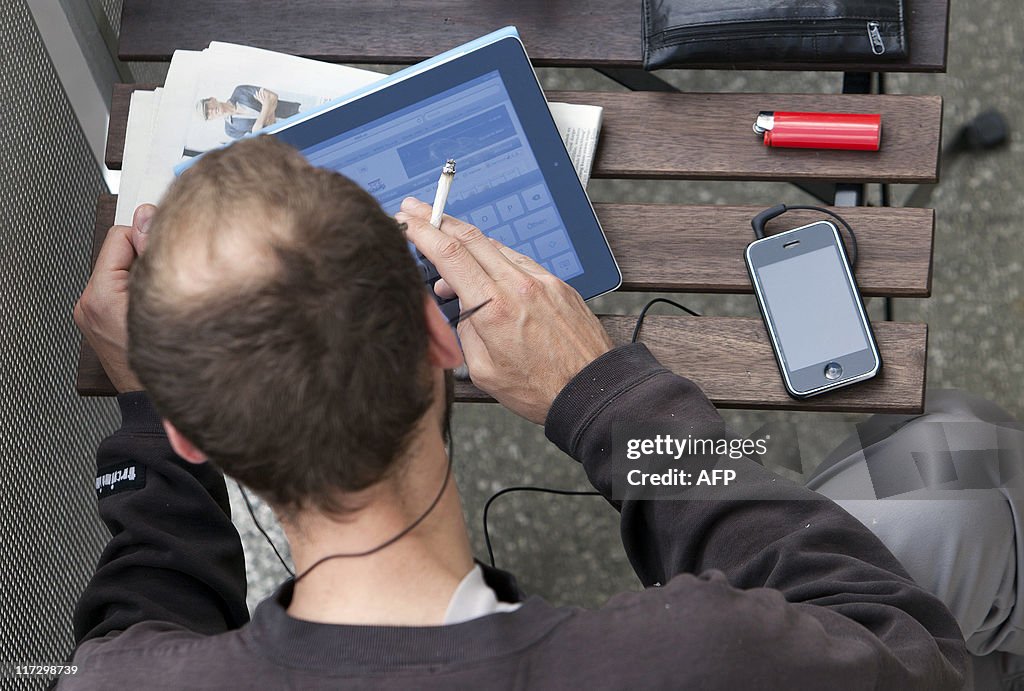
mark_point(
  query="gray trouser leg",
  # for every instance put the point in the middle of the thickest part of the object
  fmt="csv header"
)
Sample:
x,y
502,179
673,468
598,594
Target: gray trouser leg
x,y
945,492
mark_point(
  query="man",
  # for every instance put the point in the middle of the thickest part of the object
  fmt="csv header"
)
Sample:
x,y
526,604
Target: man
x,y
250,108
281,329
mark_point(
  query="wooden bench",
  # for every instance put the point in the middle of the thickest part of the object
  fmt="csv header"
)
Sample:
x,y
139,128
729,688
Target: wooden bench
x,y
670,248
595,33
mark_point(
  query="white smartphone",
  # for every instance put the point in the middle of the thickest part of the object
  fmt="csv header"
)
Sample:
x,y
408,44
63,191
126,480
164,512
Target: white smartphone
x,y
812,308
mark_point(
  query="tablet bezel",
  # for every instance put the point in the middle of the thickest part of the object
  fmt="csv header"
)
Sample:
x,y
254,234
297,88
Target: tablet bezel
x,y
507,55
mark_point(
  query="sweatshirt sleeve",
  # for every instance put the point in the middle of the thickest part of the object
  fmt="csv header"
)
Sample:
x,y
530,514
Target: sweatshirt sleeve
x,y
760,531
174,555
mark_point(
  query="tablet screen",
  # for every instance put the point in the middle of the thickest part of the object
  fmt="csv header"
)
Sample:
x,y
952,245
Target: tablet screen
x,y
498,186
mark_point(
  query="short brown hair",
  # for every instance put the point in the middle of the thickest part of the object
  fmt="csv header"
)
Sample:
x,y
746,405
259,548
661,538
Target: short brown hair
x,y
204,106
277,320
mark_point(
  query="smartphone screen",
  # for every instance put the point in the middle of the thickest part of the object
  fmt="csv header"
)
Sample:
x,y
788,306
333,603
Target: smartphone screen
x,y
812,308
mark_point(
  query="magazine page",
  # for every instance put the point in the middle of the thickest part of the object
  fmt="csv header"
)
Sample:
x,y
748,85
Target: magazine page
x,y
142,112
221,94
218,95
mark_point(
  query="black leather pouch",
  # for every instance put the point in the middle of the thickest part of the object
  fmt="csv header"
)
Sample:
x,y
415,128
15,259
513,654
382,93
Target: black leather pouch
x,y
678,33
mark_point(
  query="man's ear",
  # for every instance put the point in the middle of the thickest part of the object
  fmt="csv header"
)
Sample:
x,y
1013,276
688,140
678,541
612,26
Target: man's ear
x,y
443,349
182,446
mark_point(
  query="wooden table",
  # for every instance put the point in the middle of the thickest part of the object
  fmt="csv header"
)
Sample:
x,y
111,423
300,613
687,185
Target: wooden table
x,y
591,33
663,247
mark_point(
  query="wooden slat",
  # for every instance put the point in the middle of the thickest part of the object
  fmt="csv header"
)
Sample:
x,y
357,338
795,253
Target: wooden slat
x,y
664,247
709,137
117,124
589,34
667,247
90,378
729,357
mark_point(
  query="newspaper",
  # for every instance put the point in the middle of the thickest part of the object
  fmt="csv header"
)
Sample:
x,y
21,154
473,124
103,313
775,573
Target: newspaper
x,y
579,127
214,96
193,114
138,136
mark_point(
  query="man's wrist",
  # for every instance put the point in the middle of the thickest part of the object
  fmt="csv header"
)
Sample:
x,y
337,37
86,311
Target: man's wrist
x,y
126,383
596,385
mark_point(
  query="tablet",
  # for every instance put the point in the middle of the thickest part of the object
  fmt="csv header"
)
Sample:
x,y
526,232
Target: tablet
x,y
482,105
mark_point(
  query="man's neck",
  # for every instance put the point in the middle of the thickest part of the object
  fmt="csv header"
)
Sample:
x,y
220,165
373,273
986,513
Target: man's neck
x,y
408,583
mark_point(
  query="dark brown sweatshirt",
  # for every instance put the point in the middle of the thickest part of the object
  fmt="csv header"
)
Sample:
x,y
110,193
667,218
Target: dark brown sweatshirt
x,y
763,584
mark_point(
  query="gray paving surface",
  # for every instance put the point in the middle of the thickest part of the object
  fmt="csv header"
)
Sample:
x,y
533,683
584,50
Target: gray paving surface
x,y
567,548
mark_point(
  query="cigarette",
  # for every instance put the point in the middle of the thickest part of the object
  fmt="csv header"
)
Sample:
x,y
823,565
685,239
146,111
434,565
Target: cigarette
x,y
444,186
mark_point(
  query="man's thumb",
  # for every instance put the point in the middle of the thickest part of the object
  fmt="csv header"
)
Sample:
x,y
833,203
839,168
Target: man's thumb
x,y
140,226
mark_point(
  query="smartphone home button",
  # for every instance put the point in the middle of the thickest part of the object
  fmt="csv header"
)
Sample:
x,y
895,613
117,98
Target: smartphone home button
x,y
833,370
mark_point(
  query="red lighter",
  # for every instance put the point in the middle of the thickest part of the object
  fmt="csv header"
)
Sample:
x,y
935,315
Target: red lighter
x,y
820,130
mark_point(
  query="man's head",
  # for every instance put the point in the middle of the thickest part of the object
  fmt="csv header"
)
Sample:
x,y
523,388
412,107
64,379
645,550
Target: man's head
x,y
279,322
210,108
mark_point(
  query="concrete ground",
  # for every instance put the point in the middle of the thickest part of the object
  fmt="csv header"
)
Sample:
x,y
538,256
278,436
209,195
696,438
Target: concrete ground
x,y
567,549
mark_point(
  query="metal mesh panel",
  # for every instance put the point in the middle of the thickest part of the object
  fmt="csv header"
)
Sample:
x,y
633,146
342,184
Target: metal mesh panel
x,y
112,10
51,533
148,72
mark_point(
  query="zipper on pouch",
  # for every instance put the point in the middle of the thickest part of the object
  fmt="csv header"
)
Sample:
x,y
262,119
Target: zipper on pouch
x,y
759,28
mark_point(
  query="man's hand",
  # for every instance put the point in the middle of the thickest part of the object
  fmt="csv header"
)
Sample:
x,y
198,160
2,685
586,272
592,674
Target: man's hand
x,y
268,109
101,312
266,97
534,335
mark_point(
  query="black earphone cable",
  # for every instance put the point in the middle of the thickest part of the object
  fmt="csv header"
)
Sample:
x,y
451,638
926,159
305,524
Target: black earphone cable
x,y
761,220
758,223
365,553
396,537
643,314
525,488
571,492
437,499
259,527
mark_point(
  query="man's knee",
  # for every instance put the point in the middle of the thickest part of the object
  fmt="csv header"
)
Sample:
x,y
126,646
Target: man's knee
x,y
943,492
962,550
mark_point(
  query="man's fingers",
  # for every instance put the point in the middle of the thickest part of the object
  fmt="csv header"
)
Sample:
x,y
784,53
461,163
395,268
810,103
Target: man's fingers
x,y
474,348
451,257
417,208
117,252
520,260
479,245
442,289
